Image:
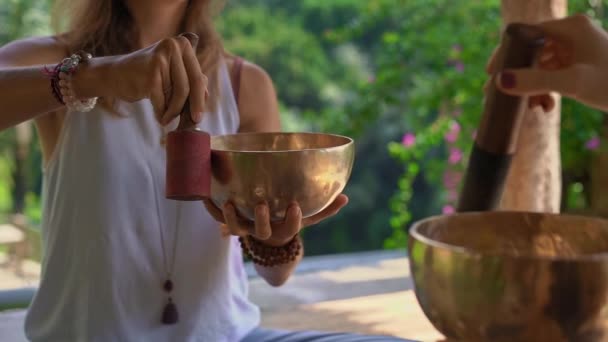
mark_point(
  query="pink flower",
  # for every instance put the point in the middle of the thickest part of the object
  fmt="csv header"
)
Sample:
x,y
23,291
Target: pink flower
x,y
408,140
371,79
452,195
451,137
452,133
448,209
451,179
447,180
459,66
593,143
474,135
455,155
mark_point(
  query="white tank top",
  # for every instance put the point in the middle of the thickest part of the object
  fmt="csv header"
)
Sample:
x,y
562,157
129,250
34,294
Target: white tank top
x,y
102,270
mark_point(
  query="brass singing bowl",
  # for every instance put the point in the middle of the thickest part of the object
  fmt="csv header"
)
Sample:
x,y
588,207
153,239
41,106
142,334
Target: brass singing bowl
x,y
279,169
512,276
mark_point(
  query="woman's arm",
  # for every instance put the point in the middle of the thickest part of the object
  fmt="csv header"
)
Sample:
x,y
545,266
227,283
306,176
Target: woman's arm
x,y
257,101
166,73
25,91
259,111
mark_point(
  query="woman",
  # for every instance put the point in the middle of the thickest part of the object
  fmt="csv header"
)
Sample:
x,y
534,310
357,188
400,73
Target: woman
x,y
118,255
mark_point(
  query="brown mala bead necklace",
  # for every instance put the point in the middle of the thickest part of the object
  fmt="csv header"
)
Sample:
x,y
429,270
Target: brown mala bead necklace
x,y
170,314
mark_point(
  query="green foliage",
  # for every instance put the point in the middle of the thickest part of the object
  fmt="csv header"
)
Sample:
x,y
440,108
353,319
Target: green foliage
x,y
412,157
311,74
5,184
296,52
284,36
429,71
430,58
23,18
373,70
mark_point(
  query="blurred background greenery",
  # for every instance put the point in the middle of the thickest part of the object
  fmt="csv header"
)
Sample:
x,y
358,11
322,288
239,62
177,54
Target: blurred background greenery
x,y
403,77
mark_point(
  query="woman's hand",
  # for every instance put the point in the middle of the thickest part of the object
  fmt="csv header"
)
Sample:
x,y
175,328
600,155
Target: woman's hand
x,y
573,62
272,234
168,73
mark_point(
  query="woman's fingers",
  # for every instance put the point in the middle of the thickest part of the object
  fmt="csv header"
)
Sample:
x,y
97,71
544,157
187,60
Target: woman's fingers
x,y
158,97
197,80
284,231
537,81
232,221
330,211
292,223
214,211
262,222
180,85
224,230
198,85
260,228
568,28
274,233
545,101
188,84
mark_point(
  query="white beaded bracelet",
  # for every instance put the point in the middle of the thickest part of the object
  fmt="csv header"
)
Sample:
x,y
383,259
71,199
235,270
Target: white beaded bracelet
x,y
66,69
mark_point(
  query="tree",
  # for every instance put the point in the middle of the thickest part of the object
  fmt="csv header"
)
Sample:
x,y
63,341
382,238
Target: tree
x,y
534,181
294,57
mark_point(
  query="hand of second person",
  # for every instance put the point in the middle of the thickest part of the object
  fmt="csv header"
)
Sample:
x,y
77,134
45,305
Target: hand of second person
x,y
275,233
572,62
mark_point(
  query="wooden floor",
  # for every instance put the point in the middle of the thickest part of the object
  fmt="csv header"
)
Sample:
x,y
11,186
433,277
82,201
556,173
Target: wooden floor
x,y
364,293
371,294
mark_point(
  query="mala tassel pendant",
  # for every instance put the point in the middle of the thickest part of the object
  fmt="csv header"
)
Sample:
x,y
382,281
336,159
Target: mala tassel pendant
x,y
170,314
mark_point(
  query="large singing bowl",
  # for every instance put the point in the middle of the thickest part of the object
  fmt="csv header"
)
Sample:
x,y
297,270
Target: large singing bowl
x,y
512,276
279,169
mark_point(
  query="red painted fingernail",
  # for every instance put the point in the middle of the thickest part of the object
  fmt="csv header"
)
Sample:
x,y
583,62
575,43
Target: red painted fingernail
x,y
507,80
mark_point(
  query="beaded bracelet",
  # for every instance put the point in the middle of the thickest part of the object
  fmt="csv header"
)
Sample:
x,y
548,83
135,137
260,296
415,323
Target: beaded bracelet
x,y
270,256
61,83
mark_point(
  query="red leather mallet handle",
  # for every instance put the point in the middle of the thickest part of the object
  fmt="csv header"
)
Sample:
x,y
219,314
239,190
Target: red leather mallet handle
x,y
188,176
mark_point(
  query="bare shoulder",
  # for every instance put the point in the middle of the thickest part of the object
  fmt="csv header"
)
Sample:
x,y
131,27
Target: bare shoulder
x,y
32,51
258,102
251,73
255,75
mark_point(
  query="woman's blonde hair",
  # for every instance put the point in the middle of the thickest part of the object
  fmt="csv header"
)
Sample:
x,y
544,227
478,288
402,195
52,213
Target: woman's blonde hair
x,y
106,27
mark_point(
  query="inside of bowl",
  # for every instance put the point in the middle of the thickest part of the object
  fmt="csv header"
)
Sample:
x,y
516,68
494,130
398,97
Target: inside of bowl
x,y
520,234
275,142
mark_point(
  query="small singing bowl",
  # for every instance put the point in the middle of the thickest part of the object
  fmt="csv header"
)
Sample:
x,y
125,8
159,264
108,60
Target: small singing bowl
x,y
512,276
279,169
